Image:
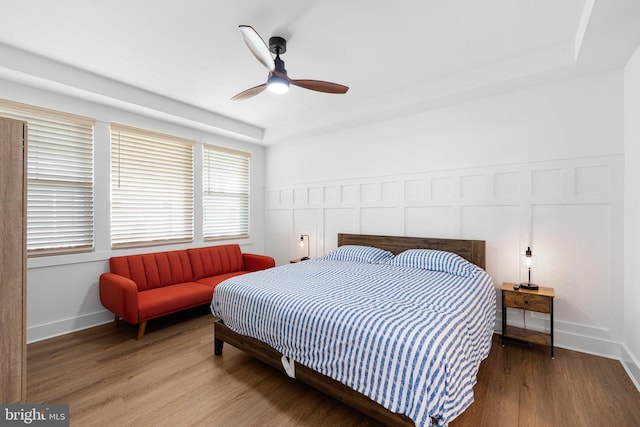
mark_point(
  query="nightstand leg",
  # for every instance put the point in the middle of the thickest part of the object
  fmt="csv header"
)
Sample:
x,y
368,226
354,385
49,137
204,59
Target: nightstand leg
x,y
504,318
551,315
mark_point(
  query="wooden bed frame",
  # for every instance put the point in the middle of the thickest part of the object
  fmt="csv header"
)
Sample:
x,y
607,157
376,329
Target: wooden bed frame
x,y
472,250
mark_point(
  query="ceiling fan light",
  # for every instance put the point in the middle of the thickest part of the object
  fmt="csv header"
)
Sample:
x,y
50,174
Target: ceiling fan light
x,y
278,84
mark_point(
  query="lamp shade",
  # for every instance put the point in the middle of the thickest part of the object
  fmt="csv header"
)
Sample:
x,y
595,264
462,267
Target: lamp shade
x,y
529,261
302,236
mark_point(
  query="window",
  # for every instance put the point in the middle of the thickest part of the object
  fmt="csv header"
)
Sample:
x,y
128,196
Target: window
x,y
226,193
59,179
151,188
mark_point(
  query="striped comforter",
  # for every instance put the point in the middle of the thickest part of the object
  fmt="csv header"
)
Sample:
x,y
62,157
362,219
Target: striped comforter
x,y
410,339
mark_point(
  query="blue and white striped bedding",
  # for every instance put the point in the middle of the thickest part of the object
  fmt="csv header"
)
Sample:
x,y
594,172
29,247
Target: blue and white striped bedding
x,y
410,339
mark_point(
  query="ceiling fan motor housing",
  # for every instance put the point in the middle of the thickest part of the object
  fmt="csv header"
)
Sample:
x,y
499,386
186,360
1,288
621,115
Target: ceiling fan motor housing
x,y
277,45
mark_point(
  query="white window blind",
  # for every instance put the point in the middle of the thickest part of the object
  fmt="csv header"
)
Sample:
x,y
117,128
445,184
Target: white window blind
x,y
151,188
226,193
59,179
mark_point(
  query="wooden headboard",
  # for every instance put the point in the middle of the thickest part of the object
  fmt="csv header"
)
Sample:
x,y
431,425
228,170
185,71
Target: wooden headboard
x,y
471,250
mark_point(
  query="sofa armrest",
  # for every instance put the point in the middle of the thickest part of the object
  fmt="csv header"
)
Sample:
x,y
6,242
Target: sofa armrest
x,y
253,262
120,296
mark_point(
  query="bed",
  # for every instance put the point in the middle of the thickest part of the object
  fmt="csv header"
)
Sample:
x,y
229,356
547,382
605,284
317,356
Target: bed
x,y
399,338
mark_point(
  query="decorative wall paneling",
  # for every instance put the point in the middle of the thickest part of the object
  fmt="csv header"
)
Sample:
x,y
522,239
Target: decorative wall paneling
x,y
569,211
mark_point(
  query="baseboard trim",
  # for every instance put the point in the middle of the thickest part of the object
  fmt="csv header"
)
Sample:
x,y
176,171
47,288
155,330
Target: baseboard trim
x,y
66,326
631,366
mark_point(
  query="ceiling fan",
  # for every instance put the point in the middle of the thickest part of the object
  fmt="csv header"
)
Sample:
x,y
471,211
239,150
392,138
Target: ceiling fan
x,y
278,80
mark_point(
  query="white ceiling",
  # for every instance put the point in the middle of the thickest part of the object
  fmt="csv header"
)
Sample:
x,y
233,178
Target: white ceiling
x,y
183,61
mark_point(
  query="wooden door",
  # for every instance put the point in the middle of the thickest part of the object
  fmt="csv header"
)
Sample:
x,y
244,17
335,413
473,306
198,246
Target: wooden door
x,y
13,348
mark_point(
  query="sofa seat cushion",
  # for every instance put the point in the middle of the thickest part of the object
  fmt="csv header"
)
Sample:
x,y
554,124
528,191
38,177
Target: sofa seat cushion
x,y
169,299
214,280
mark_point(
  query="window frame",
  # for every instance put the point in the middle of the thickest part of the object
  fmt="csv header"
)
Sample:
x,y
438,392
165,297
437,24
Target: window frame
x,y
175,199
235,194
60,179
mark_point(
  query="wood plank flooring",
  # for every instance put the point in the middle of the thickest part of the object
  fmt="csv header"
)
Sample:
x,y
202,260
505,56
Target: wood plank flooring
x,y
172,378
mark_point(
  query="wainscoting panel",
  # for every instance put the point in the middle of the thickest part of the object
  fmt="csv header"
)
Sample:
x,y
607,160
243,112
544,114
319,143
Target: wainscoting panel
x,y
300,196
370,192
506,185
286,197
391,191
279,234
502,223
574,241
305,221
592,180
546,183
315,196
568,211
414,190
472,187
339,220
442,189
332,194
432,221
349,193
382,220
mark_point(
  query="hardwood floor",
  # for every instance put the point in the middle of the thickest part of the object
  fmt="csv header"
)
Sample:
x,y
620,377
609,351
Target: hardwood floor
x,y
172,378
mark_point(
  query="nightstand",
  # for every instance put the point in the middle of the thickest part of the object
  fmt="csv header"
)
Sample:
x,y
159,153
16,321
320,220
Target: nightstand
x,y
540,301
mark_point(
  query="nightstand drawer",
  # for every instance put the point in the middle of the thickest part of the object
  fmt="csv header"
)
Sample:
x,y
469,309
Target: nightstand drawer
x,y
530,302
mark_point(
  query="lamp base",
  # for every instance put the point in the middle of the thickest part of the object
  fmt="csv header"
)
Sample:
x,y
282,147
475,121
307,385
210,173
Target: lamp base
x,y
529,286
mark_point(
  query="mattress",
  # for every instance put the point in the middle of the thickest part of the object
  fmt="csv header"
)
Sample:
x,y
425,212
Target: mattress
x,y
411,339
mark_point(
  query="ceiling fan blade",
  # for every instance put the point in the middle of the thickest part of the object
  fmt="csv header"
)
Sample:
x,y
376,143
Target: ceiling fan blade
x,y
249,92
257,46
320,86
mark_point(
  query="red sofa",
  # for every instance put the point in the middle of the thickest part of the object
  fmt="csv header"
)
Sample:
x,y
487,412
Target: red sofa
x,y
147,286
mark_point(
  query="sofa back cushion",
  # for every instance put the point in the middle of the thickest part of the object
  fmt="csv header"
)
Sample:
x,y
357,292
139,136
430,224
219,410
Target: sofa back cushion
x,y
154,270
215,260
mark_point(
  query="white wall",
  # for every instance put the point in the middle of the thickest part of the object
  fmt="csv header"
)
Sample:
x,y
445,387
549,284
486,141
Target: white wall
x,y
62,291
542,166
567,119
632,215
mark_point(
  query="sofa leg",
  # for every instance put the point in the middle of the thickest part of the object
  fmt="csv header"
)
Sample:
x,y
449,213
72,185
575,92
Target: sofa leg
x,y
117,320
217,347
141,328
